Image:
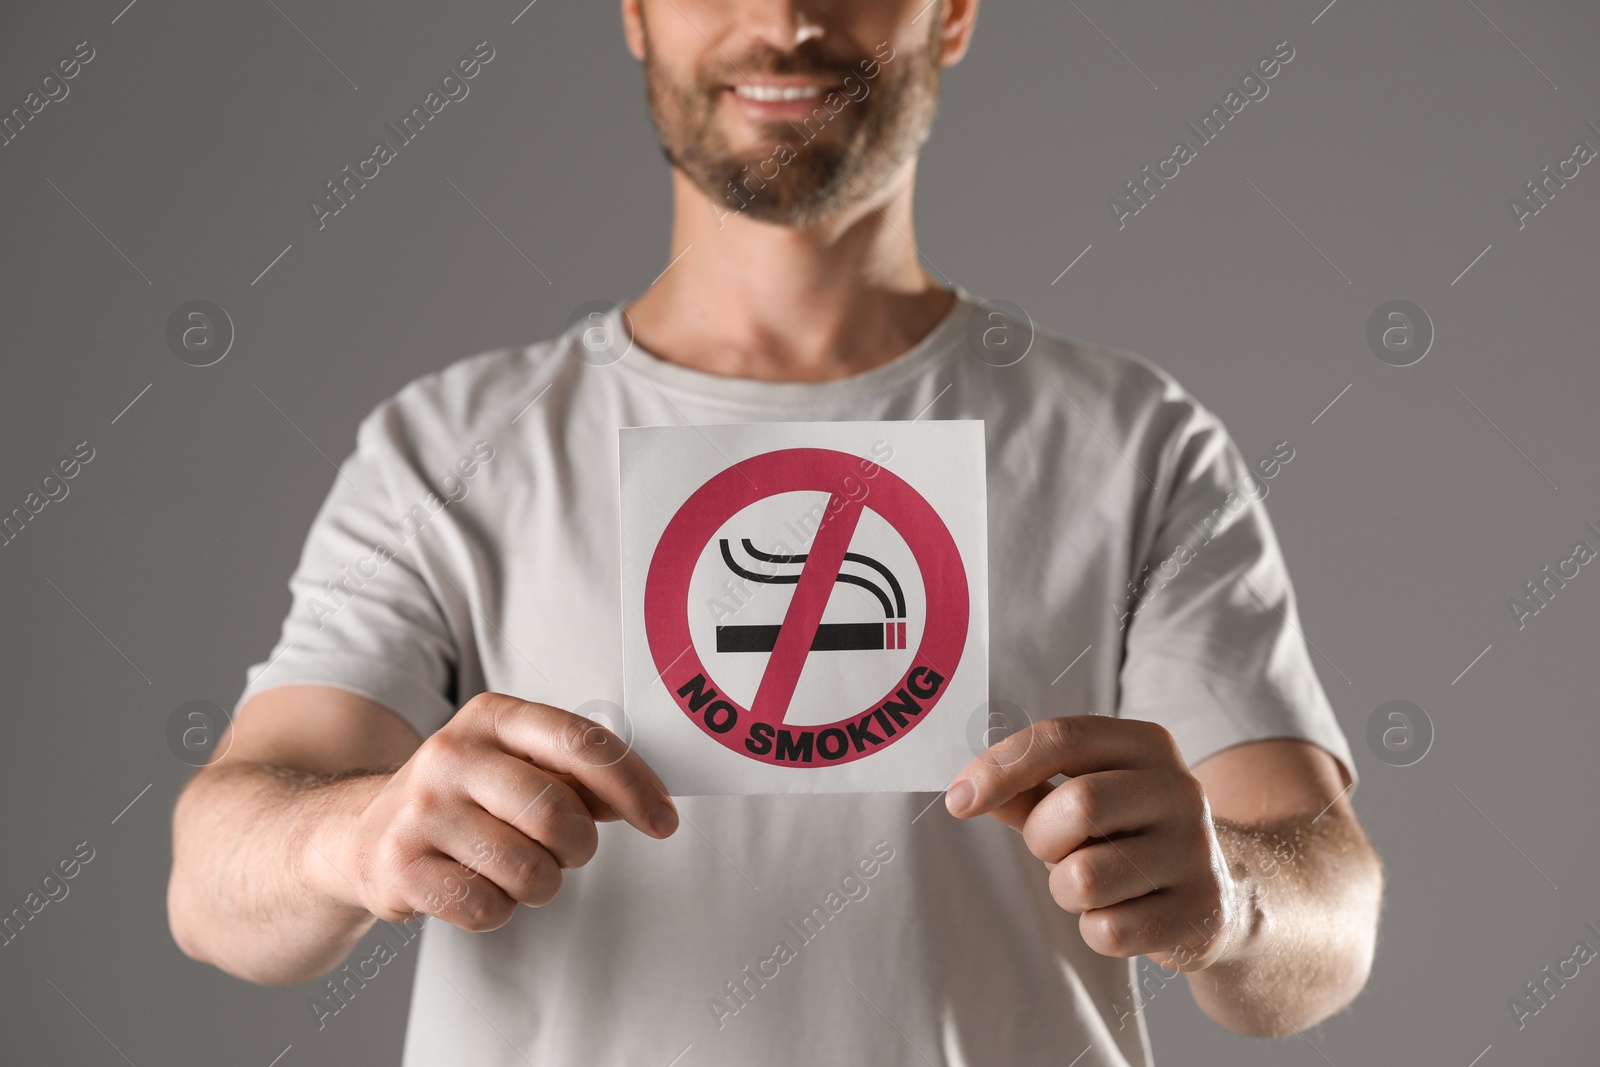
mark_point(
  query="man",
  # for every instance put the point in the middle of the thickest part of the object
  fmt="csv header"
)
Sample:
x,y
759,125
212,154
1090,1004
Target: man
x,y
410,747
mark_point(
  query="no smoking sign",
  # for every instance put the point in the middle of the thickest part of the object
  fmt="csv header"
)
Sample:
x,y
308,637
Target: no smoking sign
x,y
805,604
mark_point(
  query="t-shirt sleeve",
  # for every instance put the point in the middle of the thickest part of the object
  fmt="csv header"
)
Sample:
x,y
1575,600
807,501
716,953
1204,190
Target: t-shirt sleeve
x,y
1214,650
362,616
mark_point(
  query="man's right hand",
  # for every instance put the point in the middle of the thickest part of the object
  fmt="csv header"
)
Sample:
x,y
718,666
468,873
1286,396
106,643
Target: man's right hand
x,y
485,814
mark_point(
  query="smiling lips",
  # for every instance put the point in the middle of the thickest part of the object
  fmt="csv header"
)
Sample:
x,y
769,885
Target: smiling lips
x,y
780,98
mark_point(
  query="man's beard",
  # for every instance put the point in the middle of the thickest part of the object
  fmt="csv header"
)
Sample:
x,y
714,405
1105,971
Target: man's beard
x,y
854,153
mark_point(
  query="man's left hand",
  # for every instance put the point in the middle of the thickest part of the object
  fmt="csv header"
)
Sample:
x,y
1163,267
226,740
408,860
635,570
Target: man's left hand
x,y
1128,837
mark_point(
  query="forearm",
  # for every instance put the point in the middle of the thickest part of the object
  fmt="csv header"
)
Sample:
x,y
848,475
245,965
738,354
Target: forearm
x,y
1308,893
256,889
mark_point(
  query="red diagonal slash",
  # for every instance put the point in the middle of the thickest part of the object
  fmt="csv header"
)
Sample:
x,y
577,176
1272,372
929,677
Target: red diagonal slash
x,y
805,609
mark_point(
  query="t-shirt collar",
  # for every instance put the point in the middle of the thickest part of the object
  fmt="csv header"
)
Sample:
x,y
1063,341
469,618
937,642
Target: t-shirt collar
x,y
946,338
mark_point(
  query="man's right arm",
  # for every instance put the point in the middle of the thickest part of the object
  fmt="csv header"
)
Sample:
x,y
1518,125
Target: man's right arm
x,y
325,812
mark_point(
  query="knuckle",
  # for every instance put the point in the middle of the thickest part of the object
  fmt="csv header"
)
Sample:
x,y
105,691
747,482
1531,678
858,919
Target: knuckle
x,y
531,878
1119,938
992,761
418,811
524,875
486,708
549,884
1083,876
579,737
1111,935
1085,804
446,899
381,874
452,888
1060,733
477,909
393,911
488,716
485,854
601,746
391,853
1182,796
542,808
1009,750
1161,739
611,749
639,782
1039,836
479,714
581,836
482,913
559,822
438,754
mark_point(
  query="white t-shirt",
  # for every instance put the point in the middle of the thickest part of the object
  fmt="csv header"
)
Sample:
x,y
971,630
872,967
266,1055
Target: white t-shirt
x,y
787,930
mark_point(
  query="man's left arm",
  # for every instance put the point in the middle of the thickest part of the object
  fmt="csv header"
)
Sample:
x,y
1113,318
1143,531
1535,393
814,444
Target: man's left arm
x,y
1250,871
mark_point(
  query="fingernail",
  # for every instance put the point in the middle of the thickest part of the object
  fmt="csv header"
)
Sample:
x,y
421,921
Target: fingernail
x,y
962,796
663,819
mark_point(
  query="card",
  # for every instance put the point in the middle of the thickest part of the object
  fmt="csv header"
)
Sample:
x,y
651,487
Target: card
x,y
805,605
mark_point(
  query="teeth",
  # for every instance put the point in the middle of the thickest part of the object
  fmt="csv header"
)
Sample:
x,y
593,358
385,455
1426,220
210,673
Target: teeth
x,y
775,93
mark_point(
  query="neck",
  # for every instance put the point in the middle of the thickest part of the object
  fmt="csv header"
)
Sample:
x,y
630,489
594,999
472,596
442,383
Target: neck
x,y
753,299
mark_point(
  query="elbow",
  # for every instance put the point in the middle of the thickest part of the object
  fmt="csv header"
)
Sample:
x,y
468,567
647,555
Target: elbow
x,y
1352,961
185,920
188,923
1339,989
1336,972
1257,1013
198,918
191,933
180,924
195,935
1334,996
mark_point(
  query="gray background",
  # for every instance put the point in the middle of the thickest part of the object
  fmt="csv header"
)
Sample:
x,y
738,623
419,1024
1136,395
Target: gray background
x,y
1392,141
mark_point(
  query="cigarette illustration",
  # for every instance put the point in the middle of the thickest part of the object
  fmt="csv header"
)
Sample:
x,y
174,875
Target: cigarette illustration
x,y
830,636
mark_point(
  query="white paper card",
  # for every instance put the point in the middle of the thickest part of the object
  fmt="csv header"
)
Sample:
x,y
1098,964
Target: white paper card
x,y
805,605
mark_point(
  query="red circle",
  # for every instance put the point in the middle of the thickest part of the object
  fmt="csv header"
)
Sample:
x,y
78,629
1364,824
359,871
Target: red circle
x,y
666,597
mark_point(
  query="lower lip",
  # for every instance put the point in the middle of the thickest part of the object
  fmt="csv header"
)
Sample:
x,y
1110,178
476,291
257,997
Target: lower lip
x,y
779,109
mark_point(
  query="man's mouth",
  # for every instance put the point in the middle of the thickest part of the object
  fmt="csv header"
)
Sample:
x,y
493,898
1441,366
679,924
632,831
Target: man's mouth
x,y
786,97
